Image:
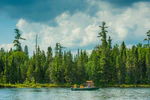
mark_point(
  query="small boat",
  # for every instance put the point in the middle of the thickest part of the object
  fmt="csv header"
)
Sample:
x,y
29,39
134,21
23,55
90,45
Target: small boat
x,y
85,89
89,87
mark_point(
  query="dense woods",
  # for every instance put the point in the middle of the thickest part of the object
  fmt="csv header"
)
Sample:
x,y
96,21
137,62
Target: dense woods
x,y
107,64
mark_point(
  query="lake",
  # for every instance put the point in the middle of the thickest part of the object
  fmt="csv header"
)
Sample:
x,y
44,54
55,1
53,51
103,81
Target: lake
x,y
67,94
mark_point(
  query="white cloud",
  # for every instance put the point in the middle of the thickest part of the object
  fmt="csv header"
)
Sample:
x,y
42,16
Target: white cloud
x,y
6,46
129,25
72,31
81,30
91,33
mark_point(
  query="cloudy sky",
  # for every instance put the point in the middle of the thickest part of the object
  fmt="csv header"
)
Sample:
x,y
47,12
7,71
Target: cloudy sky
x,y
73,23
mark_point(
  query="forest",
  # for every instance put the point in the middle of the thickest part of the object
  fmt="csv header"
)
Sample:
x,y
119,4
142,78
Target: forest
x,y
106,64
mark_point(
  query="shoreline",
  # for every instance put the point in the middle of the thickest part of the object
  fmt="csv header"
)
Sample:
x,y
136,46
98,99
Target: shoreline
x,y
128,86
34,85
70,85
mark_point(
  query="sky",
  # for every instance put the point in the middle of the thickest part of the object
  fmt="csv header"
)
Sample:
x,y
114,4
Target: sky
x,y
73,23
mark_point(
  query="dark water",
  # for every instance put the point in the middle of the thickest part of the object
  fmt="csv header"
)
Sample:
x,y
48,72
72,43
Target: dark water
x,y
67,94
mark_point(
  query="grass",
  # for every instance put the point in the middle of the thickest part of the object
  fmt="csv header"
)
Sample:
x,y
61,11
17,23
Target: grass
x,y
35,85
38,85
128,85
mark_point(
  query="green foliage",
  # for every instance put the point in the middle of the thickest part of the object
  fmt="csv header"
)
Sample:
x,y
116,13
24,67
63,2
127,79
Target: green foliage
x,y
107,65
148,37
103,34
16,42
26,50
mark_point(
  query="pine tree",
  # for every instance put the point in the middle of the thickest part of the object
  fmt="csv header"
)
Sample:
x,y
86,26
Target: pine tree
x,y
5,77
135,64
103,34
114,55
105,59
57,72
16,42
148,66
148,38
109,43
93,67
68,64
81,68
13,78
121,64
38,67
48,65
30,70
26,50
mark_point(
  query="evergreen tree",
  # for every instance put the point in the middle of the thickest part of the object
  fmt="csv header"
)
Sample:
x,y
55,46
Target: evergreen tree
x,y
68,66
26,50
30,70
93,67
135,64
48,64
109,43
5,76
38,67
148,66
16,42
103,34
114,55
57,72
81,68
13,72
148,37
105,59
121,64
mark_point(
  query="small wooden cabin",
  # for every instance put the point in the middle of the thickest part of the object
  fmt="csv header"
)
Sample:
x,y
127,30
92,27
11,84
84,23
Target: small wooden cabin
x,y
90,82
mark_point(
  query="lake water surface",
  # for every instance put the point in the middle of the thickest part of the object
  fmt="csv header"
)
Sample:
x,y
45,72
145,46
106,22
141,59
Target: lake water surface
x,y
67,94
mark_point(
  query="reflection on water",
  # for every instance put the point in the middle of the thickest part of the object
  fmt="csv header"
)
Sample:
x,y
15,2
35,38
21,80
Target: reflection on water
x,y
67,94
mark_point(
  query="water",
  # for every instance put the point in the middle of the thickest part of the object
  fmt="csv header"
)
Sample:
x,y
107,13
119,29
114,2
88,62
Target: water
x,y
67,94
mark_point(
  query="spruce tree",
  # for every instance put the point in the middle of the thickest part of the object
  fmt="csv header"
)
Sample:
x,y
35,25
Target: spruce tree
x,y
16,42
26,50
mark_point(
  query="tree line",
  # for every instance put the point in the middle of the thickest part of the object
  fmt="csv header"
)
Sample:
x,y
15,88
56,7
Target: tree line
x,y
106,64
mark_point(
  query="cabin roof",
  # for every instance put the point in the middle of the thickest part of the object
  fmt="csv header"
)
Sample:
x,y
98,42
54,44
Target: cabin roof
x,y
89,81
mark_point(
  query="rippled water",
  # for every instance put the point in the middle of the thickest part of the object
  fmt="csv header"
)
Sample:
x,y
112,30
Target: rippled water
x,y
67,94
